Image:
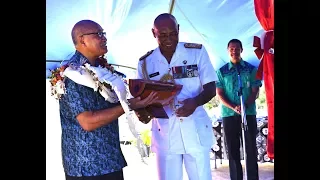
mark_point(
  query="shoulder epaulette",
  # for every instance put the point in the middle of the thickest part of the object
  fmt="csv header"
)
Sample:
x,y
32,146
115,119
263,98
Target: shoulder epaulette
x,y
193,45
146,55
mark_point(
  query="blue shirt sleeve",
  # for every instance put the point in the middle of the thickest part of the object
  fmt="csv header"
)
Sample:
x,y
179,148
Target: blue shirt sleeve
x,y
74,100
219,82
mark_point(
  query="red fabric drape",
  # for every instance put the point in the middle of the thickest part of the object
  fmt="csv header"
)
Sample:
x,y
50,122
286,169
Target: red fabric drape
x,y
264,10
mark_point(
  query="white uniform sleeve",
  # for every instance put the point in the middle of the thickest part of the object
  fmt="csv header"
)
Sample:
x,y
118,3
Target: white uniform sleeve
x,y
205,68
139,74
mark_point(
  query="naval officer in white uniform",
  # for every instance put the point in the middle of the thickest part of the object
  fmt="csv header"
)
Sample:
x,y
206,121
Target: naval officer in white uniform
x,y
187,136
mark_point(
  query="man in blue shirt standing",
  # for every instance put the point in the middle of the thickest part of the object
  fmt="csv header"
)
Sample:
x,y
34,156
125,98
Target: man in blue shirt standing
x,y
227,90
90,131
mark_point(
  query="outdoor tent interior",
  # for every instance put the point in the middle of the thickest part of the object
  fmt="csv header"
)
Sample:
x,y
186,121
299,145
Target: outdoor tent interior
x,y
128,24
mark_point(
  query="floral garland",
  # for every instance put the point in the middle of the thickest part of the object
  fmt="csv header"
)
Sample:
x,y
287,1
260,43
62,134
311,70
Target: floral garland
x,y
57,78
57,82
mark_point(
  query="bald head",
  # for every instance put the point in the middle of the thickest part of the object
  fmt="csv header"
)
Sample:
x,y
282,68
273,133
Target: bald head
x,y
82,27
166,31
165,19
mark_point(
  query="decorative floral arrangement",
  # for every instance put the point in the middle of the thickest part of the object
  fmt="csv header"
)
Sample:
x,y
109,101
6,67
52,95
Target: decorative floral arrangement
x,y
102,78
57,82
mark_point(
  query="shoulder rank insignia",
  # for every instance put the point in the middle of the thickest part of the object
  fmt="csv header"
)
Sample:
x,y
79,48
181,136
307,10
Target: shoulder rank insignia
x,y
193,45
146,55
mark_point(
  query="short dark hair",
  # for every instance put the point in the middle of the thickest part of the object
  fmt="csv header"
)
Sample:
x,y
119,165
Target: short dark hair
x,y
235,41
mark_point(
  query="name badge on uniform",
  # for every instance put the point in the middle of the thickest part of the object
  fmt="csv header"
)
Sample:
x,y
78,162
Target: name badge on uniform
x,y
187,71
154,74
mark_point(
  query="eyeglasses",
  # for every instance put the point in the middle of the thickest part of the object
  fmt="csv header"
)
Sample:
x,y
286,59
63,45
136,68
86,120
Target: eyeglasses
x,y
100,34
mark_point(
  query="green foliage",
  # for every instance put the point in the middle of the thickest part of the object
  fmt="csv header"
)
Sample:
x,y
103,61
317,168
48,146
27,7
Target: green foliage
x,y
146,137
134,142
261,101
213,103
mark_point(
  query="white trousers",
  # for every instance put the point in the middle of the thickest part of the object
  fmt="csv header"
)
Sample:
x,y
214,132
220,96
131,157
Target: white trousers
x,y
197,166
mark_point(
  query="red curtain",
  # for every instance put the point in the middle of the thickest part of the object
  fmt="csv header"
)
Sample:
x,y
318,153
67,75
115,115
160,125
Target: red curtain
x,y
264,10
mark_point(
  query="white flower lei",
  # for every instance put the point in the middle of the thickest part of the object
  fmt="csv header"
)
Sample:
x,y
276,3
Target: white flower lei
x,y
87,75
110,85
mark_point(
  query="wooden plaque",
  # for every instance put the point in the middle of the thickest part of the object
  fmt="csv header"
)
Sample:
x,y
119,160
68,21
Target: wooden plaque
x,y
142,88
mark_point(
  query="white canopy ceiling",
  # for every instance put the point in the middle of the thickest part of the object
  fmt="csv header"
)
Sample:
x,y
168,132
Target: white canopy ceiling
x,y
128,25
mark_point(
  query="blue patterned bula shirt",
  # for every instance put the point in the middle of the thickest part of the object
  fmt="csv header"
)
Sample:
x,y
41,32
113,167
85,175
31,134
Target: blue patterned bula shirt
x,y
87,153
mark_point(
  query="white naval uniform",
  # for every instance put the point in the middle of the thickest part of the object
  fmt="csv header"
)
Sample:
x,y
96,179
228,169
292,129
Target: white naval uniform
x,y
179,139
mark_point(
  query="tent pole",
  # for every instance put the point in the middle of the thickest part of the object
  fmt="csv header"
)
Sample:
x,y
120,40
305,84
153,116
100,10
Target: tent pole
x,y
171,6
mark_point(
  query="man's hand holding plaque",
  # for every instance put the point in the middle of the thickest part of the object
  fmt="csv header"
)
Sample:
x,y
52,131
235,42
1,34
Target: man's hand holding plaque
x,y
165,91
137,103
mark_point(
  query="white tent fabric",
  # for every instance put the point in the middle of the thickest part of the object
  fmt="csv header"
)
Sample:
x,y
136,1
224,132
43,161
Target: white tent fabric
x,y
128,25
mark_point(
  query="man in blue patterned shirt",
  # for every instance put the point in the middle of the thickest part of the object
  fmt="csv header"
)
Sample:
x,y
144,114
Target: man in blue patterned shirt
x,y
90,131
227,90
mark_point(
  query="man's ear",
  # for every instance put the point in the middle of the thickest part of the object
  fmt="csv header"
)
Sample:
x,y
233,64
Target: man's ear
x,y
81,41
154,35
